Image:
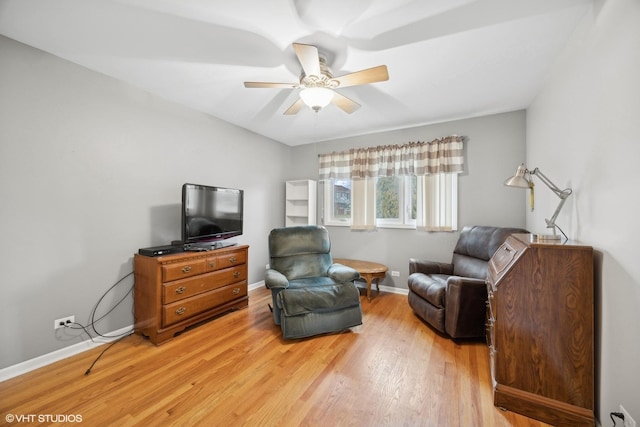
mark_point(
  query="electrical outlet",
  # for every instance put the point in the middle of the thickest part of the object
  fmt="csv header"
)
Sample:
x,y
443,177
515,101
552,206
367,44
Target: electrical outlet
x,y
267,267
628,421
61,323
395,273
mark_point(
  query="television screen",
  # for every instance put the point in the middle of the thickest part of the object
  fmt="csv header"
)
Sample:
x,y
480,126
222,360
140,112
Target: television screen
x,y
210,213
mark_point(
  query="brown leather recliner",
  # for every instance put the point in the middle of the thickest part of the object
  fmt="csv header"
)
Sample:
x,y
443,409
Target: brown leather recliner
x,y
452,297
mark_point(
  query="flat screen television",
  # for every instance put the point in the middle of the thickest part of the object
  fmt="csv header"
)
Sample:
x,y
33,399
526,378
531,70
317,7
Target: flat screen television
x,y
210,214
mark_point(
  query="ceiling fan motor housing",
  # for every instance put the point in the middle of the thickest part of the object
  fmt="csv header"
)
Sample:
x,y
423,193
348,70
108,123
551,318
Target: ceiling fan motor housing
x,y
325,79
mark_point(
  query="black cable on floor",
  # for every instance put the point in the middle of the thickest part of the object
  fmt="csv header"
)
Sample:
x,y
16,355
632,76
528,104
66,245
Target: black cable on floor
x,y
88,371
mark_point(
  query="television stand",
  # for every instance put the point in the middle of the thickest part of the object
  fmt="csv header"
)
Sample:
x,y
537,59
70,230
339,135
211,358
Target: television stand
x,y
174,292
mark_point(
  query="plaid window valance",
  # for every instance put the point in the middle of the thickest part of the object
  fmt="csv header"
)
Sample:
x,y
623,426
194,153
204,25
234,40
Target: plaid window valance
x,y
444,155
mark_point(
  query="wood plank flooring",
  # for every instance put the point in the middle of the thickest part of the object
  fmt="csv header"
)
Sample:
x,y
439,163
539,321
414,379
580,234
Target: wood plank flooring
x,y
238,371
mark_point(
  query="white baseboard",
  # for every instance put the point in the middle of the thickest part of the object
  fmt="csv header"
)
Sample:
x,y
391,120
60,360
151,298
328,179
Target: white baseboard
x,y
393,290
256,285
63,353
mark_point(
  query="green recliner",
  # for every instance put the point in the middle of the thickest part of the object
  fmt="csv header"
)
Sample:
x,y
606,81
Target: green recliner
x,y
311,295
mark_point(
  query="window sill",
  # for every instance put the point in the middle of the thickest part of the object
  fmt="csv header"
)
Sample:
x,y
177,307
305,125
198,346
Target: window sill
x,y
387,226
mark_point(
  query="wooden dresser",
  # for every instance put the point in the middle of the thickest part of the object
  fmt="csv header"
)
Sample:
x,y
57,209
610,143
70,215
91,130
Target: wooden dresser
x,y
540,322
176,291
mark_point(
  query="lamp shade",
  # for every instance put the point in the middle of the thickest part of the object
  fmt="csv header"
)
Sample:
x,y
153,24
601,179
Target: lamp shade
x,y
316,97
519,180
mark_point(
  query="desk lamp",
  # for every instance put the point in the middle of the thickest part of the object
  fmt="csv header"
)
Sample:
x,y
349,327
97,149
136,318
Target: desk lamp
x,y
523,179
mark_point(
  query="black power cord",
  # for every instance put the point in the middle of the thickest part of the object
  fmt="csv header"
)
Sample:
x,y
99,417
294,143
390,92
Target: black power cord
x,y
93,322
93,312
616,414
88,371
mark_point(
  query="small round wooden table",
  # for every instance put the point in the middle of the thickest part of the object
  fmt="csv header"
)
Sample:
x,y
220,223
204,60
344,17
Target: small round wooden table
x,y
368,271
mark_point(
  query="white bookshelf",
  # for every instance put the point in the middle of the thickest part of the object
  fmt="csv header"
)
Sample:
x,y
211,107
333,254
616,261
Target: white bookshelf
x,y
300,202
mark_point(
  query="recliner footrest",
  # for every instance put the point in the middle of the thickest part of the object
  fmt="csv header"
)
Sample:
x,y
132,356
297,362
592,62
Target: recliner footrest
x,y
297,301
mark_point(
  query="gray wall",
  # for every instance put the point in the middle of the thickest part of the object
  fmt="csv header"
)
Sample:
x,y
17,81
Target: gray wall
x,y
583,132
90,171
495,147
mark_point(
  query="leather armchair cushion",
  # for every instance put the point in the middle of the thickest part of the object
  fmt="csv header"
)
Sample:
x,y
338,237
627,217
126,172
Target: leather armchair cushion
x,y
466,266
429,267
431,288
298,301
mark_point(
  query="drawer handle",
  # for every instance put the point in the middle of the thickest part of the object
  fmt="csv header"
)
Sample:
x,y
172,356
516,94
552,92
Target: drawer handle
x,y
181,290
236,274
236,291
233,259
186,269
212,264
180,311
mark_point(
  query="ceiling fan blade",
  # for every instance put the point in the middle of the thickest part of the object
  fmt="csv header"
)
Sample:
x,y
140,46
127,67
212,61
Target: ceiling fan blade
x,y
370,75
309,59
295,107
270,85
346,104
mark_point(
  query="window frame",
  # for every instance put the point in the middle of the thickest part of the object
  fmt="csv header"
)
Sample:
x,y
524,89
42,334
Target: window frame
x,y
328,218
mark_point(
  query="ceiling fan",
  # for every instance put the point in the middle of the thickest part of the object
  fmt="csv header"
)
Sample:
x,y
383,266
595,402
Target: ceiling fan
x,y
318,84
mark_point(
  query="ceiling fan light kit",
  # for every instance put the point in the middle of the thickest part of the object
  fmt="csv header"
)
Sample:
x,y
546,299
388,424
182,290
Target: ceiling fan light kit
x,y
316,97
317,83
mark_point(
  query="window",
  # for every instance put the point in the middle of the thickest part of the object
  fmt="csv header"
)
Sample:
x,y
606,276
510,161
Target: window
x,y
396,202
412,185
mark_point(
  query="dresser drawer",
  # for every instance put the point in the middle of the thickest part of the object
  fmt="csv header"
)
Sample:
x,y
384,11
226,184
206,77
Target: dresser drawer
x,y
181,269
183,309
231,259
225,260
184,288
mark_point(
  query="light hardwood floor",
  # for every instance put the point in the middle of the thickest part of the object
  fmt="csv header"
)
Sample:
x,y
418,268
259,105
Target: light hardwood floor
x,y
237,370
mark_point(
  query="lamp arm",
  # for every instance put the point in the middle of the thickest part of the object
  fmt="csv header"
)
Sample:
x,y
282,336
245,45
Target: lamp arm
x,y
562,194
551,223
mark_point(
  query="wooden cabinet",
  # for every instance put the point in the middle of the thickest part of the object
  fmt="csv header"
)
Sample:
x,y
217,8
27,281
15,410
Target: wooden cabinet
x,y
540,330
176,291
300,202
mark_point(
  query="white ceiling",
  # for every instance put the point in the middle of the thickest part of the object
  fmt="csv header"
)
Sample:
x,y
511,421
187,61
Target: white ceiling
x,y
447,59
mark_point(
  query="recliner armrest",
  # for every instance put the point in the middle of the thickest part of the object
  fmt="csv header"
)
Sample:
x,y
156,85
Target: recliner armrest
x,y
466,309
273,279
341,273
429,267
466,281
